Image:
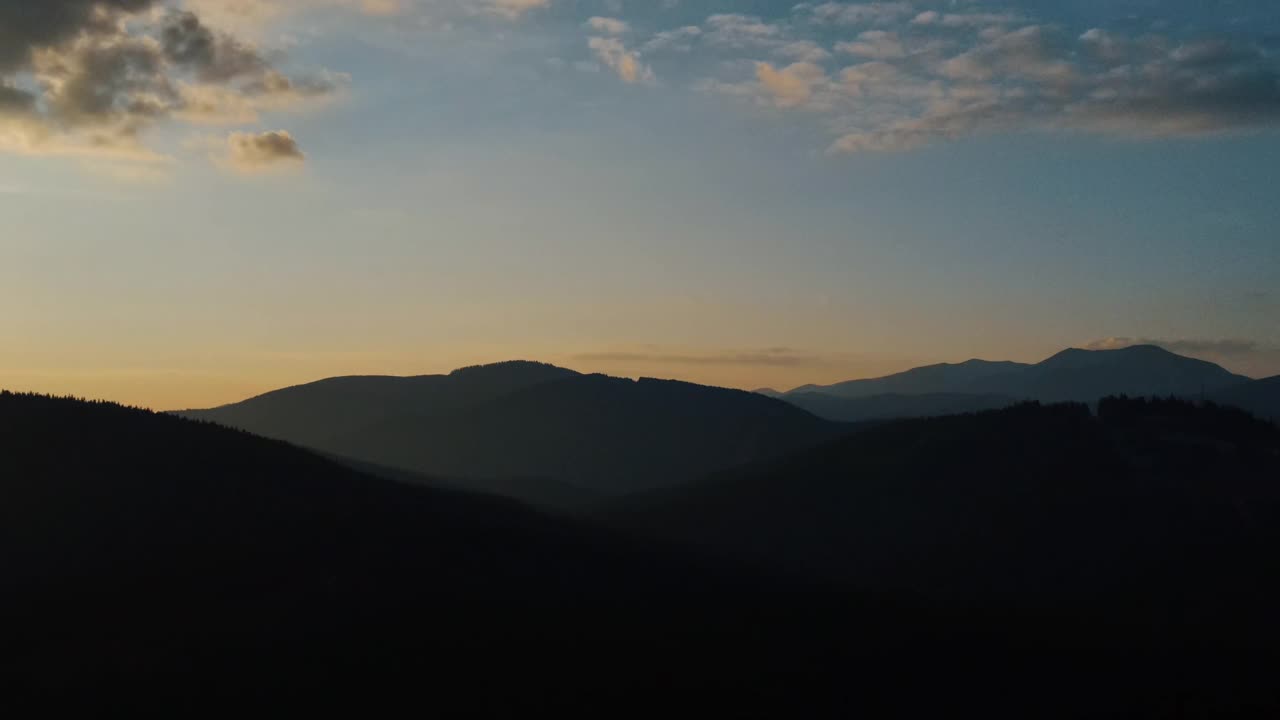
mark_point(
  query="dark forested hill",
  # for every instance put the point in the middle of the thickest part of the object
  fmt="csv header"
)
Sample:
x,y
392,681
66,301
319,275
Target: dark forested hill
x,y
155,563
1162,503
533,431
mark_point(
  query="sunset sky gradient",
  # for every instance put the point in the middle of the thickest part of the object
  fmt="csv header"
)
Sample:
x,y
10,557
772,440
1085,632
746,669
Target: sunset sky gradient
x,y
204,200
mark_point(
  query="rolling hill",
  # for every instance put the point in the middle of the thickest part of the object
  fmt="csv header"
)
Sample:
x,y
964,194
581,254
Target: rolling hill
x,y
315,413
530,430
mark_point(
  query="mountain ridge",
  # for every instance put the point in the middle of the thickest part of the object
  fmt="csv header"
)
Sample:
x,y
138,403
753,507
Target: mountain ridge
x,y
531,420
1070,375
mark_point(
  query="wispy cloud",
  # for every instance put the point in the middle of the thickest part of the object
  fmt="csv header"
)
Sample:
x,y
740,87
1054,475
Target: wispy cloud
x,y
622,60
891,76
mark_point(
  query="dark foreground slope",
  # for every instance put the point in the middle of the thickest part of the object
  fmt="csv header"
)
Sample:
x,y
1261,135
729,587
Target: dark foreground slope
x,y
159,563
1162,506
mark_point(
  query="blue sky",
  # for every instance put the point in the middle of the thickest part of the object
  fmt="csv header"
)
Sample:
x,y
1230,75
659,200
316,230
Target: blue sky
x,y
760,193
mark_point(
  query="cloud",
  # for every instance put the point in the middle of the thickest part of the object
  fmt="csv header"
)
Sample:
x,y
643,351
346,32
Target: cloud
x,y
924,76
626,63
88,79
804,51
873,13
733,30
608,26
876,44
512,9
680,39
963,20
791,86
252,153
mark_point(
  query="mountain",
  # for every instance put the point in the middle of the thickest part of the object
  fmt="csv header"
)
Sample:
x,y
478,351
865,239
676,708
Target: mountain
x,y
1162,505
534,427
315,413
1260,397
1086,375
894,406
1072,375
944,378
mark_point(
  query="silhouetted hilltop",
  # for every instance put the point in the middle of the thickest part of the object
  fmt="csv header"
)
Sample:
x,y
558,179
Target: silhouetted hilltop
x,y
314,413
530,430
1086,375
1072,375
1160,504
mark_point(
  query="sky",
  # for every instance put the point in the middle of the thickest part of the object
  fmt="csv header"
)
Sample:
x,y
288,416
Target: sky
x,y
202,200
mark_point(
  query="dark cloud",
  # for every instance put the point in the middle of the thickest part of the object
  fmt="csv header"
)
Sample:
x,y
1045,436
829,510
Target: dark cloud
x,y
272,83
213,57
121,82
76,78
26,25
15,100
253,152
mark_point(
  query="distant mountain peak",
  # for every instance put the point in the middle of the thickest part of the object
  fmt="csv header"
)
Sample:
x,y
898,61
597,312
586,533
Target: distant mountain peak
x,y
1133,353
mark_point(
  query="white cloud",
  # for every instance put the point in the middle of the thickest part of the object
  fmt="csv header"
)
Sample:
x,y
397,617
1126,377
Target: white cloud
x,y
876,44
740,31
791,86
626,63
873,13
513,9
679,39
804,51
609,26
